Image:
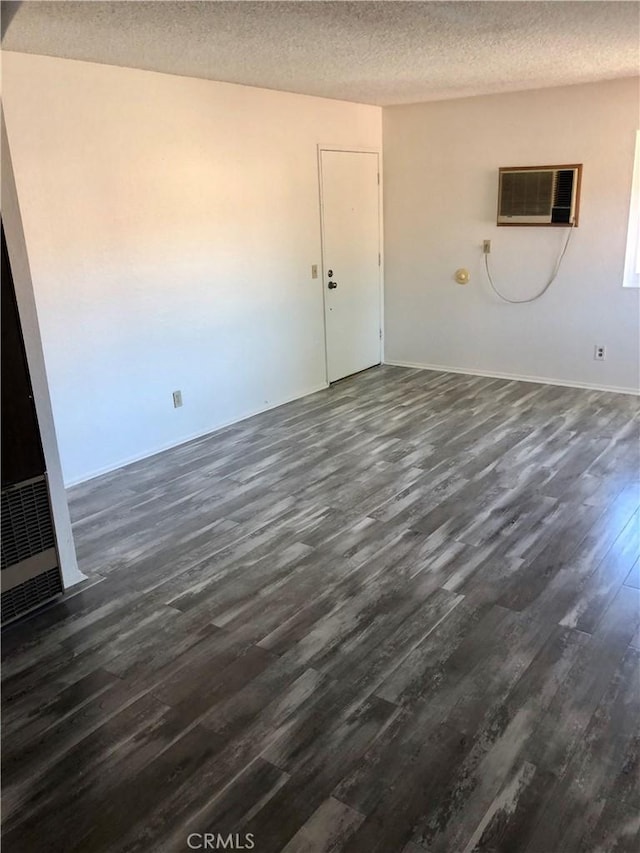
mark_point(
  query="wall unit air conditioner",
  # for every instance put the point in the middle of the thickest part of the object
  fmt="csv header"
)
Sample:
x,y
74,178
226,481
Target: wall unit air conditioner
x,y
29,564
539,195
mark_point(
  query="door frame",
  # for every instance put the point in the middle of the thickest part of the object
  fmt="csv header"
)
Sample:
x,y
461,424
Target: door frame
x,y
351,149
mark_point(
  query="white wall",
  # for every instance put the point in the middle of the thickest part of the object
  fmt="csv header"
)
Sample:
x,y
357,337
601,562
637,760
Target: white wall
x,y
441,174
33,346
171,225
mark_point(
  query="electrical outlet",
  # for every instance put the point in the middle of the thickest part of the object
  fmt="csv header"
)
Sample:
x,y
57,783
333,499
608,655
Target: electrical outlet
x,y
486,247
177,399
599,352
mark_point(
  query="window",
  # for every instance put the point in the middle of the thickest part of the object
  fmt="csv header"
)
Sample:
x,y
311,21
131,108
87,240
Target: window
x,y
632,258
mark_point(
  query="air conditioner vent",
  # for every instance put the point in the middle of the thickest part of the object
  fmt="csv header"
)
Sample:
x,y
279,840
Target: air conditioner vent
x,y
544,195
32,593
564,188
27,527
526,193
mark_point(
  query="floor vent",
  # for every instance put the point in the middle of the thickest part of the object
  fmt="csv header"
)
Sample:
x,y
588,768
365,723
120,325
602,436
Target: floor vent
x,y
27,527
30,594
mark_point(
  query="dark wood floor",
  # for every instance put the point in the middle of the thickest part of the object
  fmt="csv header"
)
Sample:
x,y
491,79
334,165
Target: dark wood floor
x,y
398,615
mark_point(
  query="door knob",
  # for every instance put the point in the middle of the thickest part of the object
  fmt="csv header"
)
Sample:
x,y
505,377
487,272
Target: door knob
x,y
332,285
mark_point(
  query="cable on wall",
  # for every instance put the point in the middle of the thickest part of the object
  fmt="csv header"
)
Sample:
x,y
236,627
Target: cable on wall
x,y
546,287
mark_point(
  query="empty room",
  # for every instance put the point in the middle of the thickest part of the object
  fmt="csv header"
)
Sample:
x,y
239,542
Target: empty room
x,y
321,427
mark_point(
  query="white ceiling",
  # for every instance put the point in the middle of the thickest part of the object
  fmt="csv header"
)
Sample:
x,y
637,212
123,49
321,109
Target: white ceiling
x,y
371,52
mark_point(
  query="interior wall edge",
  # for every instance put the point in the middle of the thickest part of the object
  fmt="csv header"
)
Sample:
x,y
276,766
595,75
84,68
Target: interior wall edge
x,y
21,273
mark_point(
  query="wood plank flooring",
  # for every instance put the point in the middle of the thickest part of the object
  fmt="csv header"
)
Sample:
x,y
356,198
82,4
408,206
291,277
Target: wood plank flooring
x,y
401,614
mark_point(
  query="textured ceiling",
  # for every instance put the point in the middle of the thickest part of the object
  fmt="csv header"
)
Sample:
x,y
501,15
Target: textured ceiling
x,y
371,52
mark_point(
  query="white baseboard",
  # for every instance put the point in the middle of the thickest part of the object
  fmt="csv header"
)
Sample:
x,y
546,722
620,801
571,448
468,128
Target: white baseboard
x,y
543,380
70,579
122,463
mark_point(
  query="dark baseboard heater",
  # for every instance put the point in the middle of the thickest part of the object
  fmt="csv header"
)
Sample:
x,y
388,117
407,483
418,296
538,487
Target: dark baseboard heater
x,y
30,569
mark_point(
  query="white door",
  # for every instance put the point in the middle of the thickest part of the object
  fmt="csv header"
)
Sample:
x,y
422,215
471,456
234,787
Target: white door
x,y
351,260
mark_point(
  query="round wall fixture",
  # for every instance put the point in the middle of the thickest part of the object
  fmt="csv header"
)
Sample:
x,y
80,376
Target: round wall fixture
x,y
462,276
